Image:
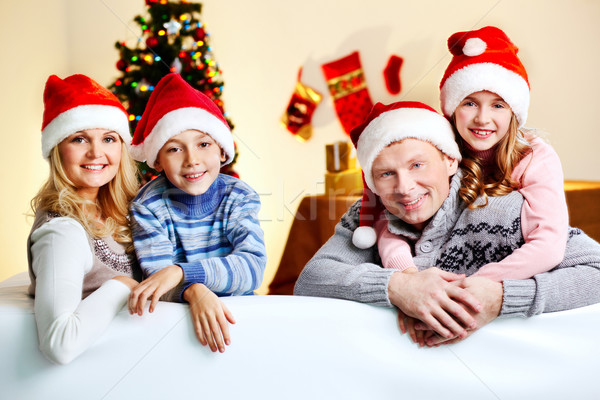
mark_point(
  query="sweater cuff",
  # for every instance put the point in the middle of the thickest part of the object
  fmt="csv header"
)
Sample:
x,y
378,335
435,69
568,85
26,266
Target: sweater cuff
x,y
518,298
400,263
116,294
374,288
192,273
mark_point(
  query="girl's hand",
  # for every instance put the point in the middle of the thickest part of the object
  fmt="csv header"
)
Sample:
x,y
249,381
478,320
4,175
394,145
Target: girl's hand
x,y
154,286
488,292
407,325
430,297
209,316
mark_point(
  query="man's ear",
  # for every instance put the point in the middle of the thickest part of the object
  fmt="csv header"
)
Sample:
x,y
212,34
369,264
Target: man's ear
x,y
452,165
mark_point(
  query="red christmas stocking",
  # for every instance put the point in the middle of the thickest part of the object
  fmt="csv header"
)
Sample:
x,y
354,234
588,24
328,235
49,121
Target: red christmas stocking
x,y
298,114
348,88
392,74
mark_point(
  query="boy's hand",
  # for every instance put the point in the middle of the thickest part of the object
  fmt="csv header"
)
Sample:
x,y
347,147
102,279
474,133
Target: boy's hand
x,y
210,317
154,286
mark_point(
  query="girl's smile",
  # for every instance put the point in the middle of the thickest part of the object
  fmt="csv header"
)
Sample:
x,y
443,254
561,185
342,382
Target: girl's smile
x,y
482,119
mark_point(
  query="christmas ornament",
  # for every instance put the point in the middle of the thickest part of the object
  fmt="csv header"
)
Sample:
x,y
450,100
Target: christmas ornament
x,y
151,41
199,34
121,65
298,114
172,27
348,88
391,73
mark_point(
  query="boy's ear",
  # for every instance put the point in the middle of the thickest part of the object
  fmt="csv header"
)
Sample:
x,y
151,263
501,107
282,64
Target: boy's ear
x,y
157,165
223,156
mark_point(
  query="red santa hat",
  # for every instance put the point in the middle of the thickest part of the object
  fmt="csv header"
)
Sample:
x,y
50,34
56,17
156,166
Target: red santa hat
x,y
174,107
485,59
77,103
387,124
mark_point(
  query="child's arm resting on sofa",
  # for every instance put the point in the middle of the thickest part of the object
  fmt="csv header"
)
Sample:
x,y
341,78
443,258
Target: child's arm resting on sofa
x,y
209,316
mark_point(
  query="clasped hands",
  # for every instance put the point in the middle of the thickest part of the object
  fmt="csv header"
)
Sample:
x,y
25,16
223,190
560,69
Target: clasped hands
x,y
437,307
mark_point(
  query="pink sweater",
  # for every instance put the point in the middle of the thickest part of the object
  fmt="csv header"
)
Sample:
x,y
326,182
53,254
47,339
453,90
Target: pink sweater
x,y
544,221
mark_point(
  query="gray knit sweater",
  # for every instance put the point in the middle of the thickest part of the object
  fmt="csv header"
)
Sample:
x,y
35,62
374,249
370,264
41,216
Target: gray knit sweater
x,y
458,240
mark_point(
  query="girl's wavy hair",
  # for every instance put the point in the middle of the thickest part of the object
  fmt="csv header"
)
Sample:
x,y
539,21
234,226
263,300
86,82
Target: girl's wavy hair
x,y
510,150
59,195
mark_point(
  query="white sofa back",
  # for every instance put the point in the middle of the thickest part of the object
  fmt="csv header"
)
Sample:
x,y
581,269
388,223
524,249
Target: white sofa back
x,y
287,347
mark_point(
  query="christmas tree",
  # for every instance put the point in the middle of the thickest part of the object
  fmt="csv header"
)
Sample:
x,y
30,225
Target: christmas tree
x,y
173,39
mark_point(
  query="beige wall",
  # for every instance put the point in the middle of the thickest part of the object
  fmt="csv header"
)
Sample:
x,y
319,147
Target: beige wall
x,y
259,46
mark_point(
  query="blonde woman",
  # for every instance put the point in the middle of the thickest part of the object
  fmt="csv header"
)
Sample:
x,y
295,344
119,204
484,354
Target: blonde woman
x,y
80,255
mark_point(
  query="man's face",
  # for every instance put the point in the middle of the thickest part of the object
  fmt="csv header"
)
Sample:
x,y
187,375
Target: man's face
x,y
412,177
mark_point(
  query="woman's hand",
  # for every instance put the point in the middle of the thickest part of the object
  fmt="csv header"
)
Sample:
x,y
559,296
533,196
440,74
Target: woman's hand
x,y
430,297
130,282
209,316
154,286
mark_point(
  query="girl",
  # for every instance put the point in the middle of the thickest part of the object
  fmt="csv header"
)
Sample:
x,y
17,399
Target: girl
x,y
485,94
80,246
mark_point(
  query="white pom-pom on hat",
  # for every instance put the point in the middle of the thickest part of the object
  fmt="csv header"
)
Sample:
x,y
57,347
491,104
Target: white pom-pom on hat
x,y
388,124
474,47
364,237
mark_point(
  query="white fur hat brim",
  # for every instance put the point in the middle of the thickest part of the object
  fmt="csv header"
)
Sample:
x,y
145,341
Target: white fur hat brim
x,y
473,78
178,121
403,123
90,116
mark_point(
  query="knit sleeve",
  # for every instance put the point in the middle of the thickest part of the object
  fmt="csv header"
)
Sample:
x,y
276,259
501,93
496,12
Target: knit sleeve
x,y
153,248
544,217
241,271
573,283
68,325
394,250
341,270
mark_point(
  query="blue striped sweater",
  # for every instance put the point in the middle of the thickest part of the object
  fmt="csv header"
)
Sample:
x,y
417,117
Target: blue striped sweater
x,y
214,237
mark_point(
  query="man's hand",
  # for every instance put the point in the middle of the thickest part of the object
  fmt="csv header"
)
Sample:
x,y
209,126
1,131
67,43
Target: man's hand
x,y
430,297
488,292
154,286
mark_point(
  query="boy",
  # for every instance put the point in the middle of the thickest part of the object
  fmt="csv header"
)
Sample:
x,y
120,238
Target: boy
x,y
192,226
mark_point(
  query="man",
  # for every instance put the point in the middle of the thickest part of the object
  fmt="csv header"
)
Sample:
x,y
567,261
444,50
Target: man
x,y
412,145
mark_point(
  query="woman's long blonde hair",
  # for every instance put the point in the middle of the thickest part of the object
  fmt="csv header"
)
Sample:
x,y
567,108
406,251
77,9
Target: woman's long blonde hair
x,y
59,195
510,151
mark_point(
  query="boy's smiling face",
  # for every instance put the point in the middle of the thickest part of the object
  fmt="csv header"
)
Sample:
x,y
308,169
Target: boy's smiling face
x,y
191,161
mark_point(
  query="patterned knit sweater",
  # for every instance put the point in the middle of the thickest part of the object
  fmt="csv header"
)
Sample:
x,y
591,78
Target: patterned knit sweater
x,y
478,237
458,240
214,237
